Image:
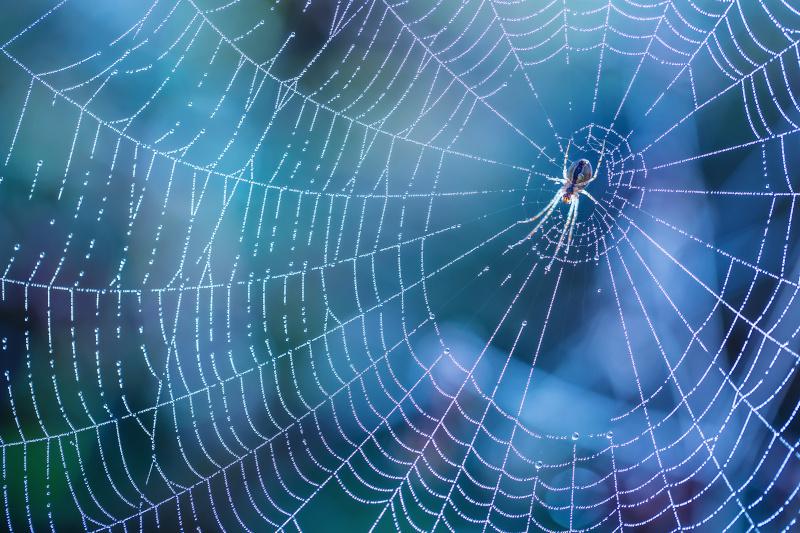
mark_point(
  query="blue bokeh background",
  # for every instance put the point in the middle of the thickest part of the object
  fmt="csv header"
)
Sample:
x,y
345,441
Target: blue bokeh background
x,y
261,265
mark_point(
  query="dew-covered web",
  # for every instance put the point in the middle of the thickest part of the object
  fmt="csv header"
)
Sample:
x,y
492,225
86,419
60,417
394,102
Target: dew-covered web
x,y
259,266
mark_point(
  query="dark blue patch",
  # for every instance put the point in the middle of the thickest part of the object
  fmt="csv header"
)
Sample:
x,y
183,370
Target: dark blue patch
x,y
578,170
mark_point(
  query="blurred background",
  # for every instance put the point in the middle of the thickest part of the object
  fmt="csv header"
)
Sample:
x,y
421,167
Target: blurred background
x,y
264,265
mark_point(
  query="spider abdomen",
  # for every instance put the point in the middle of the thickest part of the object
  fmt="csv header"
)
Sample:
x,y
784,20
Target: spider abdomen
x,y
580,172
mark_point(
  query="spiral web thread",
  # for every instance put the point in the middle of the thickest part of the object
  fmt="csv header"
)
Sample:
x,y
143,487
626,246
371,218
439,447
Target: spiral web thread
x,y
224,307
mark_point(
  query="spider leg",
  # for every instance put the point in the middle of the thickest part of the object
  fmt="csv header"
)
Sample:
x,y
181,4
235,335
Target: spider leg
x,y
555,180
592,198
566,158
600,161
548,207
544,214
573,220
564,231
541,222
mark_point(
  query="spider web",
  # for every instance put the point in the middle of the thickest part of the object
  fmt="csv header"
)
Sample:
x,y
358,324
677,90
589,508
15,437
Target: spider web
x,y
259,270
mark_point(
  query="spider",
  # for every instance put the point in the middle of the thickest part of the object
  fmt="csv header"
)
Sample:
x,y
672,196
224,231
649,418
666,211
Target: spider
x,y
572,184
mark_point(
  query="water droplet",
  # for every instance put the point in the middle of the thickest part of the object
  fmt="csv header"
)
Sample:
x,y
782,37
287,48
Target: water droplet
x,y
524,323
432,316
539,465
610,435
576,436
16,247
